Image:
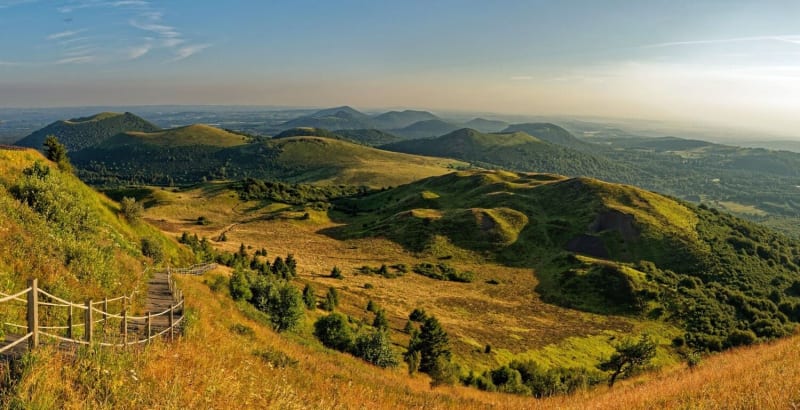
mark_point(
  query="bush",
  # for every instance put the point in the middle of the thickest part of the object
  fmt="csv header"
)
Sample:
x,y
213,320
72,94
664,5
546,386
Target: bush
x,y
239,285
334,332
309,297
284,305
381,322
417,315
375,348
202,220
443,372
336,273
276,358
740,338
216,283
153,249
131,210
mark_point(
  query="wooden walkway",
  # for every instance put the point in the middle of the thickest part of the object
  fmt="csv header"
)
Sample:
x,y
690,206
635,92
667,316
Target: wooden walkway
x,y
105,323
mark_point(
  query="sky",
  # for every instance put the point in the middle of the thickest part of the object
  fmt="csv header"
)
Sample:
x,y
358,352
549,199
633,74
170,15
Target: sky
x,y
731,63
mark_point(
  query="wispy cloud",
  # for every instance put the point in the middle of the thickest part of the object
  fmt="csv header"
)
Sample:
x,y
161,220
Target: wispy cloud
x,y
77,60
792,38
64,34
4,4
139,51
521,78
188,51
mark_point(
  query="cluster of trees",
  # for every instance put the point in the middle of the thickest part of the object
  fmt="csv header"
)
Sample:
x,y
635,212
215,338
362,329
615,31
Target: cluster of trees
x,y
336,332
270,294
443,271
294,194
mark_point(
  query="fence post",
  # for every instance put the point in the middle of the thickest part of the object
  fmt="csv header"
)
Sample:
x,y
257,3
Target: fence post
x,y
89,322
69,323
148,327
33,313
171,322
124,328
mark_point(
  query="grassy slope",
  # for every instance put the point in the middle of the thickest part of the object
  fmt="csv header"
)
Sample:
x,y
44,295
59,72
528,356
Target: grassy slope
x,y
299,159
521,324
190,135
341,162
80,133
512,150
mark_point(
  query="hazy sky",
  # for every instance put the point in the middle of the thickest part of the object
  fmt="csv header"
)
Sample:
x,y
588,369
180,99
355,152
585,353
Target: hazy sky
x,y
723,62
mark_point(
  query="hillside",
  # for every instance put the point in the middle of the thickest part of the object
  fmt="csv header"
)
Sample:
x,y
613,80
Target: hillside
x,y
601,247
332,118
485,125
371,137
137,158
79,133
230,354
425,129
551,133
399,119
515,151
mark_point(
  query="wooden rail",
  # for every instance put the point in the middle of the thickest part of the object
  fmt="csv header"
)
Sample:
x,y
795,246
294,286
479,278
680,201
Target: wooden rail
x,y
96,320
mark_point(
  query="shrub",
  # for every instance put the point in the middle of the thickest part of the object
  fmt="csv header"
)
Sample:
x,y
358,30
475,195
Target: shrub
x,y
131,210
336,273
381,322
375,348
202,220
216,283
239,285
276,358
309,298
152,249
334,332
443,372
243,330
417,315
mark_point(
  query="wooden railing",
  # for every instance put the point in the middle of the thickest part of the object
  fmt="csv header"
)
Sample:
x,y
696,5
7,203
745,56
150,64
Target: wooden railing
x,y
132,329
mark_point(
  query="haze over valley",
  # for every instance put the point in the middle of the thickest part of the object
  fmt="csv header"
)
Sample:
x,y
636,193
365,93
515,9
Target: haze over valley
x,y
399,205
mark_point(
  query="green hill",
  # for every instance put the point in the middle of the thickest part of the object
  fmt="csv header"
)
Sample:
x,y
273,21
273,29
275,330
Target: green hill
x,y
371,137
332,118
601,247
551,133
188,136
180,156
80,133
426,129
399,119
516,151
75,241
485,125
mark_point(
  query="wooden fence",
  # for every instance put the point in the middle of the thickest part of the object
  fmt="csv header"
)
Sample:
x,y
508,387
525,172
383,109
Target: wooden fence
x,y
94,322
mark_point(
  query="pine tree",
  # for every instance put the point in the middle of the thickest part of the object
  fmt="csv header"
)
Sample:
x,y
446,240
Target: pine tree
x,y
309,298
57,153
381,322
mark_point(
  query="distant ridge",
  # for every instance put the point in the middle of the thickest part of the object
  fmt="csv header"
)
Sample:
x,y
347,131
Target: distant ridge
x,y
344,117
399,119
512,150
484,125
426,129
79,133
551,133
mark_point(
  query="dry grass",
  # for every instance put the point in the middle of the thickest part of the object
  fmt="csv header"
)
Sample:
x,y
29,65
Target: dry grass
x,y
512,317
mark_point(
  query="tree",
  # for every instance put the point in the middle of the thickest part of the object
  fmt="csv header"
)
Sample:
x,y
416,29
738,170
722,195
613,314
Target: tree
x,y
417,315
628,357
432,343
371,306
291,265
331,300
334,332
309,298
153,249
57,152
375,347
381,322
285,306
131,210
409,327
240,285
